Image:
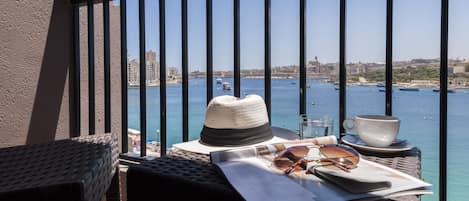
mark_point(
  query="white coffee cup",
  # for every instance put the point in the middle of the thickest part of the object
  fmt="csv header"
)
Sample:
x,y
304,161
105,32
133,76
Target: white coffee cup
x,y
375,130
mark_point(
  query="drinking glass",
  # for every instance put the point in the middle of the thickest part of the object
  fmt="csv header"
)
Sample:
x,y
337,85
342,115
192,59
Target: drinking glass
x,y
311,126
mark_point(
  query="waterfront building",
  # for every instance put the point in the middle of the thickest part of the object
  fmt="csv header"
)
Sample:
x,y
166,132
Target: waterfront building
x,y
152,70
133,72
314,66
153,67
459,69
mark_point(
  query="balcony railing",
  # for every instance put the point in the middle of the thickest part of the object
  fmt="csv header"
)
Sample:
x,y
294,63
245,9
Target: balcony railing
x,y
236,70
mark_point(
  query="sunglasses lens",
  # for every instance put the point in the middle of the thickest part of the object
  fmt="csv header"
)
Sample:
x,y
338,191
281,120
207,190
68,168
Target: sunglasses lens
x,y
342,152
285,164
287,158
298,151
282,163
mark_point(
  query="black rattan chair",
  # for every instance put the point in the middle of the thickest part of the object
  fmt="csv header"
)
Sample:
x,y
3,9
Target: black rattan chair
x,y
77,169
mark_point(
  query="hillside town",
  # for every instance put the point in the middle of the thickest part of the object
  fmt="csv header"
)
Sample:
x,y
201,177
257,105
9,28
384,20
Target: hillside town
x,y
415,72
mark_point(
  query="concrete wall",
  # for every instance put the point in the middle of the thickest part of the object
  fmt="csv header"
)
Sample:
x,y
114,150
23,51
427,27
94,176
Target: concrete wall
x,y
36,55
99,68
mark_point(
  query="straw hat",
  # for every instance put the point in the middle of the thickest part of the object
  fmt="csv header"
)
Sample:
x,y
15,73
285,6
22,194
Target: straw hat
x,y
231,122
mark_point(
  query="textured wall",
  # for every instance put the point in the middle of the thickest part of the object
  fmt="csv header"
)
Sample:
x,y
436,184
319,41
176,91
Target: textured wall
x,y
36,54
99,68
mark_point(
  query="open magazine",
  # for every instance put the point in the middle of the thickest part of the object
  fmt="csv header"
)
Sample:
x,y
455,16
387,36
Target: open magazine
x,y
252,173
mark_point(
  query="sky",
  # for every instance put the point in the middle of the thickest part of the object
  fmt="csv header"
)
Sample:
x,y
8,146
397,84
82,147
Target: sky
x,y
416,31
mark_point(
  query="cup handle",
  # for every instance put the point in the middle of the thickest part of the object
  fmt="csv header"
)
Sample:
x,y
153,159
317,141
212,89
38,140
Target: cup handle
x,y
346,122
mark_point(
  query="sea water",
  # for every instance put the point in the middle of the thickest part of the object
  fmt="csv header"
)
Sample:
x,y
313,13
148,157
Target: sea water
x,y
418,111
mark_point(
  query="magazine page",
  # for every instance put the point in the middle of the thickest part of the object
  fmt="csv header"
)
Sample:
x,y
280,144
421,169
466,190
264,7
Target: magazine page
x,y
254,181
398,183
250,171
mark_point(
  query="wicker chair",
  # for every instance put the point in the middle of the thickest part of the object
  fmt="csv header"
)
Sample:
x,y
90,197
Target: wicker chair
x,y
77,169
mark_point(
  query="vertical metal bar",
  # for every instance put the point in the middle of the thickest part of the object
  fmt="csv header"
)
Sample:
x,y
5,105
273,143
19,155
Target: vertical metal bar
x,y
342,69
162,78
107,69
209,51
389,33
123,25
91,103
302,56
237,60
143,93
209,73
267,59
76,70
185,76
443,98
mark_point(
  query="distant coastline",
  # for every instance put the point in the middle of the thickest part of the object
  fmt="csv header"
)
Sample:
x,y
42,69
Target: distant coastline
x,y
412,83
155,83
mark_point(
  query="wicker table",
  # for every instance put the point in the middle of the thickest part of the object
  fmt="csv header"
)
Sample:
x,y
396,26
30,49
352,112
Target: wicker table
x,y
185,175
77,169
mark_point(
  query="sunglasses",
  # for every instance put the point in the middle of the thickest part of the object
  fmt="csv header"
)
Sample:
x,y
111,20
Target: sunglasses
x,y
333,155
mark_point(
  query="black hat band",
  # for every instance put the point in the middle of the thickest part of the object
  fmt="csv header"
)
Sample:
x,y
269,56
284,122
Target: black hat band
x,y
235,137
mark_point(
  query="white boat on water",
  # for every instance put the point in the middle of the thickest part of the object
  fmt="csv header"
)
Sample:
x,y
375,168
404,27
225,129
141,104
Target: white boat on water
x,y
219,80
226,86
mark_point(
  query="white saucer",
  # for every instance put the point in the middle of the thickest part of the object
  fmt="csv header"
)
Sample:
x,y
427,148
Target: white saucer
x,y
396,146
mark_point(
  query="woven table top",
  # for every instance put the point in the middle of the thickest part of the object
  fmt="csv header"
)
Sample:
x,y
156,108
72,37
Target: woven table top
x,y
197,169
87,163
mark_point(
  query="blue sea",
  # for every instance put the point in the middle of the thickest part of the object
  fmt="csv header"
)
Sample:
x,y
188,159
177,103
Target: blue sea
x,y
418,111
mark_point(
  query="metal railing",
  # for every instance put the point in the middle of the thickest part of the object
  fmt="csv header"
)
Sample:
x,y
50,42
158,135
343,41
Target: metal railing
x,y
236,70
